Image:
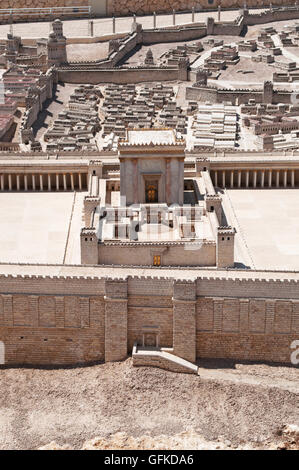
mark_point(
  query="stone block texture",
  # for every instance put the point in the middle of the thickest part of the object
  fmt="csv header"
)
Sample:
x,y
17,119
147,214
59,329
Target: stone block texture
x,y
68,320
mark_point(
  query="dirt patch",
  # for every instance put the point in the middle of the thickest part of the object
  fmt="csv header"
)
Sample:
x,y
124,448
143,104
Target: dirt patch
x,y
70,406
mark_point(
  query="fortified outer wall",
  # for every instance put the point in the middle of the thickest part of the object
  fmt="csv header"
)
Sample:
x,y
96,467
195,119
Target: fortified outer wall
x,y
124,7
121,75
69,320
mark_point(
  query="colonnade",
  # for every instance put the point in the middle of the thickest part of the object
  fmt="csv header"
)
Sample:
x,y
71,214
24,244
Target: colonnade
x,y
264,178
43,181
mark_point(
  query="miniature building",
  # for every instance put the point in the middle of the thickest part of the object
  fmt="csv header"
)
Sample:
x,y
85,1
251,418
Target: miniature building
x,y
56,44
156,217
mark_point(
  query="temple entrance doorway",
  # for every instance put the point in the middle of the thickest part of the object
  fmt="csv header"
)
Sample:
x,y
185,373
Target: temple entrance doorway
x,y
151,192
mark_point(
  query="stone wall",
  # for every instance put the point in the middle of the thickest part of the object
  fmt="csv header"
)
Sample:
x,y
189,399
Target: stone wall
x,y
70,320
42,3
125,7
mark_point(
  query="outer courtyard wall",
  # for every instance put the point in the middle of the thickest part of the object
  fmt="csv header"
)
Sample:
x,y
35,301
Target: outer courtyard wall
x,y
55,320
171,255
120,76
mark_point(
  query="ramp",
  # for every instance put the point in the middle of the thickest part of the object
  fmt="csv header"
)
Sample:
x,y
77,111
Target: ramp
x,y
144,356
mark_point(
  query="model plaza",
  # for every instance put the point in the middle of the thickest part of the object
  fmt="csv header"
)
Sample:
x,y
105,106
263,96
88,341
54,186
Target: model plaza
x,y
149,189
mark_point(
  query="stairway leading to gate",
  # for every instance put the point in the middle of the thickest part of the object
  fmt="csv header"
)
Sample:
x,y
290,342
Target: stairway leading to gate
x,y
162,358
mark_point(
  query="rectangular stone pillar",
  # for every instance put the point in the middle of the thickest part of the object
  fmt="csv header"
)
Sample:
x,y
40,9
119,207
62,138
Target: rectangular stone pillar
x,y
33,309
59,312
84,312
184,320
7,310
244,315
218,309
270,311
116,320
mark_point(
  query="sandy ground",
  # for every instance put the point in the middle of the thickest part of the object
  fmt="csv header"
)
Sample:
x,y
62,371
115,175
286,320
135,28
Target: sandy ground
x,y
87,52
70,406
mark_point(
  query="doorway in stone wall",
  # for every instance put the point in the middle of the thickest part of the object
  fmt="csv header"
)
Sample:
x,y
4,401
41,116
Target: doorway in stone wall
x,y
150,336
151,192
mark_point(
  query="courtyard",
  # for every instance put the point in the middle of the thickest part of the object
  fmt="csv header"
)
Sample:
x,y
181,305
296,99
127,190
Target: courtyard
x,y
267,224
40,227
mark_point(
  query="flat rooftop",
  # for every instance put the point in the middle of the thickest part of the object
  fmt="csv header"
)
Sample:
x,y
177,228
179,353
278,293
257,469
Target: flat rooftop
x,y
267,226
154,136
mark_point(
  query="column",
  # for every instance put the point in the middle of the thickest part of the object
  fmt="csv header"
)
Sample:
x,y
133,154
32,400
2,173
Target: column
x,y
193,14
168,189
41,183
113,24
263,179
239,178
9,182
173,17
285,178
49,182
247,179
254,178
184,320
64,182
26,182
154,20
216,178
223,179
33,182
2,183
293,178
135,173
80,181
57,182
277,179
231,179
18,182
72,182
219,13
270,179
116,320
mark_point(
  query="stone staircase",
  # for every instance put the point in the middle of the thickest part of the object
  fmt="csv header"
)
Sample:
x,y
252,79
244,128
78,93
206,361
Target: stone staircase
x,y
162,358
